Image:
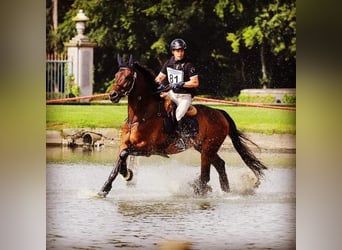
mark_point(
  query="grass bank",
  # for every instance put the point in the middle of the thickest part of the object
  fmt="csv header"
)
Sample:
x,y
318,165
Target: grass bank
x,y
247,119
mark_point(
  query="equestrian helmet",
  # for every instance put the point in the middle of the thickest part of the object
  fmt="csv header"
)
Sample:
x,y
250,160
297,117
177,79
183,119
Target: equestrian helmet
x,y
178,44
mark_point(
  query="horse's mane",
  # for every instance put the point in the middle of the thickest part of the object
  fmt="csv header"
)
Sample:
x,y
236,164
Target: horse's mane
x,y
150,76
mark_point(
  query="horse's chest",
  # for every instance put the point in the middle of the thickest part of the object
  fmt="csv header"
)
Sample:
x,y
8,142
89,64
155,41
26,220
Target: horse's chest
x,y
140,135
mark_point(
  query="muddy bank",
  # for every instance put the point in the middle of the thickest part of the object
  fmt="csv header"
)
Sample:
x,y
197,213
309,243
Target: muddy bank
x,y
105,136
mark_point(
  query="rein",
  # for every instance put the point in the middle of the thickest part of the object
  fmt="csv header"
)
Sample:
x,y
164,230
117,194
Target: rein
x,y
133,83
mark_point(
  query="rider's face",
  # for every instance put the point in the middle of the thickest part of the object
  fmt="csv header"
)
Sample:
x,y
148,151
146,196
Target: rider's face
x,y
178,54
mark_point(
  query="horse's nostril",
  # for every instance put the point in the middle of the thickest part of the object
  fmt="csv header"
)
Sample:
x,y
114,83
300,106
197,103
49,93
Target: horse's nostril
x,y
113,94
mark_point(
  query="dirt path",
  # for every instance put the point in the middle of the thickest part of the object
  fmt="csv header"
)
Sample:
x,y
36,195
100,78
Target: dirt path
x,y
274,142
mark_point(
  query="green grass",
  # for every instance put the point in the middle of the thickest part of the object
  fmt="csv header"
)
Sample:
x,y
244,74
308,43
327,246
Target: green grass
x,y
59,117
262,120
247,119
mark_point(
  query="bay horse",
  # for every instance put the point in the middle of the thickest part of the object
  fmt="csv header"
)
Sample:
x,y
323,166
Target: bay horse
x,y
144,132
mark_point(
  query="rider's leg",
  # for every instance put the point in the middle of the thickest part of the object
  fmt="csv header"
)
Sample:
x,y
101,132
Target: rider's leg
x,y
184,102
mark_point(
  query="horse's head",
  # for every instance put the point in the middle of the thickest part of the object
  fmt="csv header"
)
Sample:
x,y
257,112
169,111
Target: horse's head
x,y
124,80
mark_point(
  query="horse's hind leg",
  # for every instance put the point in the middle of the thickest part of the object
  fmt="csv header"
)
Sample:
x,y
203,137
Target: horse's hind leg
x,y
201,186
219,165
121,167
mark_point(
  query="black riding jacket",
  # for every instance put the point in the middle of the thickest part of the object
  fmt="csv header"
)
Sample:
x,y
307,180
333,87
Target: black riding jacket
x,y
188,71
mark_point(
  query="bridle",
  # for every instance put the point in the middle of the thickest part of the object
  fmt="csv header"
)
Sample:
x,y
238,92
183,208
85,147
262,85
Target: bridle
x,y
122,92
126,87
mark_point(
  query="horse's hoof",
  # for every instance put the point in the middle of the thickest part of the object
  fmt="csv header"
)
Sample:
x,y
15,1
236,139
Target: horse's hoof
x,y
102,194
200,188
225,188
208,189
257,184
202,191
129,175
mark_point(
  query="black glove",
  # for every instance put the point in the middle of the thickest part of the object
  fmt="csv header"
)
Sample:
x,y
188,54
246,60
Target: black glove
x,y
177,85
160,87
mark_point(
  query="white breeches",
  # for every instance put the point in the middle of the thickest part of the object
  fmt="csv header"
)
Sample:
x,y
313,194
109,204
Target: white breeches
x,y
183,102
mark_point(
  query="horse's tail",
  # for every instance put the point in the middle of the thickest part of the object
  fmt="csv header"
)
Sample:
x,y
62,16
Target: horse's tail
x,y
239,141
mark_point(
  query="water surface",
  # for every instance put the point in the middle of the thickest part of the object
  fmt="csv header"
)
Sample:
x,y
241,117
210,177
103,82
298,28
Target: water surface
x,y
159,204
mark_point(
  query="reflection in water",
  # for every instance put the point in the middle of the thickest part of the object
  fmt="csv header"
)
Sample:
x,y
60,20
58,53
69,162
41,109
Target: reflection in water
x,y
205,205
163,209
108,154
147,209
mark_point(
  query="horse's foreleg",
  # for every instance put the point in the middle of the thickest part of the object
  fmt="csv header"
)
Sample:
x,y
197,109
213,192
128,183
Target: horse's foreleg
x,y
200,185
219,165
124,171
121,167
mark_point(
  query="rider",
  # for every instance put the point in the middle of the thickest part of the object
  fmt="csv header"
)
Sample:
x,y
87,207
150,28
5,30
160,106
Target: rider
x,y
182,77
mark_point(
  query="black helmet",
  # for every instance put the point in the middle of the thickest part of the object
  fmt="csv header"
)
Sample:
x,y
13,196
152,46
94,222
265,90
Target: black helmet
x,y
178,44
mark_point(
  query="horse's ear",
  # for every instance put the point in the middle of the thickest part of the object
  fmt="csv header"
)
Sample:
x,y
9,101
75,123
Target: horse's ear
x,y
119,60
130,61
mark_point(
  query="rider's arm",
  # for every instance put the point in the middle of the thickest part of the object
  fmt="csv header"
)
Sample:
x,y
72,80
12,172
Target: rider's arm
x,y
160,77
192,83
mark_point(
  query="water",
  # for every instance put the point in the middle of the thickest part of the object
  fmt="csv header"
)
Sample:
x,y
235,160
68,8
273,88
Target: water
x,y
159,204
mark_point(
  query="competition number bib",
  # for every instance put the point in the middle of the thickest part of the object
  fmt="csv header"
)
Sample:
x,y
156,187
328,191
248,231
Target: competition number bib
x,y
174,75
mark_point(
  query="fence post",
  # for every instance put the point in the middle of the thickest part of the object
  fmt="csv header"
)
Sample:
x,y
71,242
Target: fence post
x,y
81,53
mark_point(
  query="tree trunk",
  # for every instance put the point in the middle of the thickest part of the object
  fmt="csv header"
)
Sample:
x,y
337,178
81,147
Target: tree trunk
x,y
242,70
264,79
55,19
55,15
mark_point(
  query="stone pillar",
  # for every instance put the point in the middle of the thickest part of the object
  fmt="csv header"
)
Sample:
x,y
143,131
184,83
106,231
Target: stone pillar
x,y
80,53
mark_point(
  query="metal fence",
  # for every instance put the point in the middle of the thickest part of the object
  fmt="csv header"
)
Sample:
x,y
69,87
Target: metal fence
x,y
58,76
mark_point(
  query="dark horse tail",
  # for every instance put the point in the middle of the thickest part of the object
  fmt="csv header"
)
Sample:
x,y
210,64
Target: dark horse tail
x,y
239,141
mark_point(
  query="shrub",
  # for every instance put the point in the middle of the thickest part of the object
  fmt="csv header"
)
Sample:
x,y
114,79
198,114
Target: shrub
x,y
75,90
289,99
256,98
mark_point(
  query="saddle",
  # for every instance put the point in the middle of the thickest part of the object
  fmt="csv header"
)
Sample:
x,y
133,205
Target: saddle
x,y
188,125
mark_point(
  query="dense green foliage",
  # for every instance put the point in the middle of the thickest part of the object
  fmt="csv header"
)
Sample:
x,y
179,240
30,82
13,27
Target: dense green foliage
x,y
247,119
289,99
234,44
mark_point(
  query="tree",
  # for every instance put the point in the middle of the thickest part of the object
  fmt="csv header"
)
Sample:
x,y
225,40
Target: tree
x,y
55,13
145,28
198,25
273,27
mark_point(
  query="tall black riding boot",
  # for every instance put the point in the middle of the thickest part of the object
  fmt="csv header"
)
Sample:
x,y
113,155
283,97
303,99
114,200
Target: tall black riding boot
x,y
183,128
180,144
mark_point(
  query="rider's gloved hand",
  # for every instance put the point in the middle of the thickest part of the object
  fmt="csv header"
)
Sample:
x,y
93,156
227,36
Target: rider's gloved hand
x,y
177,85
161,86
